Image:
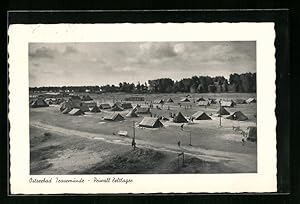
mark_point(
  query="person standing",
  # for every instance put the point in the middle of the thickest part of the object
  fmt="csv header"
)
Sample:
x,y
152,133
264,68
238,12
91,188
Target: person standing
x,y
133,144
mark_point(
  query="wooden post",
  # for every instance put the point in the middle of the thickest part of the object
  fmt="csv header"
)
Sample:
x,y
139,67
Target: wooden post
x,y
190,138
182,158
133,123
220,113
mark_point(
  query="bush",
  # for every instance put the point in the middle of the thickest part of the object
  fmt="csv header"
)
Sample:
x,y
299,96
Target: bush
x,y
47,134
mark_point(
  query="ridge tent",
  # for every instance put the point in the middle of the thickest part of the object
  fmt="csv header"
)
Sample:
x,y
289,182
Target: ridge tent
x,y
104,106
150,123
252,133
65,105
95,109
240,101
227,104
75,97
212,101
86,98
118,103
185,100
251,100
203,103
117,108
170,100
159,101
76,111
201,116
90,104
222,111
200,99
38,103
238,115
179,118
126,105
83,107
142,110
114,117
131,114
67,110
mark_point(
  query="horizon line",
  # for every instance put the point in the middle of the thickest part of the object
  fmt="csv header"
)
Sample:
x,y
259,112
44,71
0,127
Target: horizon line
x,y
140,82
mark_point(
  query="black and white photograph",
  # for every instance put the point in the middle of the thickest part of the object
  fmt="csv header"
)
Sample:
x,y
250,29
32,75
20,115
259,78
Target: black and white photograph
x,y
142,107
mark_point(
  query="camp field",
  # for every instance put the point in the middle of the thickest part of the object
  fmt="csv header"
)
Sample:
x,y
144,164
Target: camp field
x,y
88,144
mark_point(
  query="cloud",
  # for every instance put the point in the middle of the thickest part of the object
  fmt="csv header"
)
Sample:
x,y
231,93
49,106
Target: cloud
x,y
179,48
42,52
102,63
157,50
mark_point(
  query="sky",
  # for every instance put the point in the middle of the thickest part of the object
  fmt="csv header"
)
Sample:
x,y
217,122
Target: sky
x,y
66,64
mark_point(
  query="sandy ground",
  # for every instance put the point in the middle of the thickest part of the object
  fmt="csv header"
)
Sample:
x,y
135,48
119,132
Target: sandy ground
x,y
64,144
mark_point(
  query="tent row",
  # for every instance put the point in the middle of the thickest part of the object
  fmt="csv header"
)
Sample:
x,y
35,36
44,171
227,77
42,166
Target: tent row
x,y
238,115
162,101
93,106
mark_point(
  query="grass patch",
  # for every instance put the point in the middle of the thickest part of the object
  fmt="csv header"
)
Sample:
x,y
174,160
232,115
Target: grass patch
x,y
132,162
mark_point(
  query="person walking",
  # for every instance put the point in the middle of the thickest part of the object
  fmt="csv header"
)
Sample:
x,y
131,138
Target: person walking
x,y
178,143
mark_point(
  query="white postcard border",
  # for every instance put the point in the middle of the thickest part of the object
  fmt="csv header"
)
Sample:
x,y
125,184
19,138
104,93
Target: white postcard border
x,y
264,35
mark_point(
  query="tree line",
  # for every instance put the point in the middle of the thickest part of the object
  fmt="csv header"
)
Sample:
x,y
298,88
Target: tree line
x,y
245,82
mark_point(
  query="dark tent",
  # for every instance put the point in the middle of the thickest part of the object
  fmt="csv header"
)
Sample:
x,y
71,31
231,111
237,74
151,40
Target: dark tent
x,y
90,104
212,101
238,115
179,118
38,103
222,111
200,99
75,97
252,134
104,106
95,109
200,116
118,103
114,117
83,107
86,98
117,108
126,105
151,123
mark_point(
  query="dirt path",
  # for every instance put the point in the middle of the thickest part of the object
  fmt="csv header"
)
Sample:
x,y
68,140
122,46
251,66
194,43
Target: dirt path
x,y
241,161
